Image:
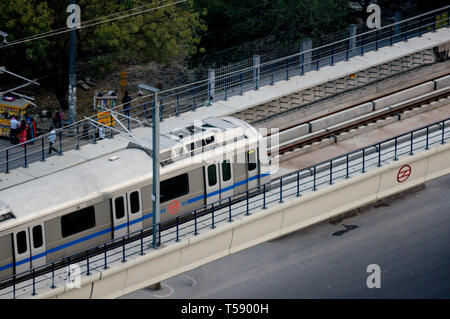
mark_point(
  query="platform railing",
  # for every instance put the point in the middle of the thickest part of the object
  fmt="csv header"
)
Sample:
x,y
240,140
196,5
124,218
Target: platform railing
x,y
190,97
251,201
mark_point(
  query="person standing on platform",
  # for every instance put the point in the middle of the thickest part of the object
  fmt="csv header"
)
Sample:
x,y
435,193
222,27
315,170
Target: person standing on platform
x,y
22,135
126,104
51,141
13,126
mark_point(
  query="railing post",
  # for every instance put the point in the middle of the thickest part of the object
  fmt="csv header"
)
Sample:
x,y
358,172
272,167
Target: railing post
x,y
25,155
314,188
298,184
195,222
264,196
317,61
159,234
34,283
347,174
332,55
426,147
193,99
142,241
331,172
256,63
281,190
420,27
225,98
7,162
287,69
271,75
123,249
443,130
411,148
241,90
347,51
176,221
88,273
363,160
161,110
247,213
362,44
212,216
229,210
14,287
395,149
77,147
53,276
177,109
379,155
211,83
105,258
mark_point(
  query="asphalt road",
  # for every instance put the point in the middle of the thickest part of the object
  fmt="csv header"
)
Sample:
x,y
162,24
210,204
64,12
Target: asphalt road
x,y
408,237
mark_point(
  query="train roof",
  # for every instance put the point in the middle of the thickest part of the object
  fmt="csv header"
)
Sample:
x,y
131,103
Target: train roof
x,y
97,177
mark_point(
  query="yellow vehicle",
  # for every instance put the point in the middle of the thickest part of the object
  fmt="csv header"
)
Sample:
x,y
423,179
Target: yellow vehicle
x,y
9,107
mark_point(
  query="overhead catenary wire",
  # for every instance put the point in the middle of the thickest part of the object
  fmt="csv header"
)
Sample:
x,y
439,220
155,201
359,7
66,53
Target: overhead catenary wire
x,y
90,24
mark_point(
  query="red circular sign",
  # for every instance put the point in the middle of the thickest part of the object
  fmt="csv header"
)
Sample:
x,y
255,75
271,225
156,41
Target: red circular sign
x,y
173,207
403,173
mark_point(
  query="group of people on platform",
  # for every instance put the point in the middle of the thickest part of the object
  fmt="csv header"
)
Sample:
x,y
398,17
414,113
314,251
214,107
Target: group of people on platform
x,y
22,130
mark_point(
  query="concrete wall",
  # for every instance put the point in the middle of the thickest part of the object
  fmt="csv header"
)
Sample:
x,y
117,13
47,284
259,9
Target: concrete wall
x,y
404,95
246,231
340,117
442,82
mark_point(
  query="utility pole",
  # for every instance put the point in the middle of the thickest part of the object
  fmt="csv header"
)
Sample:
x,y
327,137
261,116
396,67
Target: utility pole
x,y
72,74
156,163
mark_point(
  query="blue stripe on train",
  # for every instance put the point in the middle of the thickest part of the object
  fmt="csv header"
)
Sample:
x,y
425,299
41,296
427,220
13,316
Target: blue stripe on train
x,y
107,230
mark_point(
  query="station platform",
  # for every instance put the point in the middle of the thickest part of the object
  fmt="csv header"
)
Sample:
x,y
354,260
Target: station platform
x,y
231,106
364,139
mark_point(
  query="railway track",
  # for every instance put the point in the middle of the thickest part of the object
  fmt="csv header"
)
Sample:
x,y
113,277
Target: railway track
x,y
334,130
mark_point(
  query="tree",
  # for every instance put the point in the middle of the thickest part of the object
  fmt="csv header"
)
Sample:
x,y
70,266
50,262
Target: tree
x,y
236,24
156,35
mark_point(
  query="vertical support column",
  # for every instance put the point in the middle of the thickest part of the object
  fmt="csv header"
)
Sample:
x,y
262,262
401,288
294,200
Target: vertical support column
x,y
306,54
155,157
256,69
352,38
211,83
72,75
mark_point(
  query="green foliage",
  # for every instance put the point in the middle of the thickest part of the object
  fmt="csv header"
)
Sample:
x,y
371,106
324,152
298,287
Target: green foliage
x,y
156,35
237,24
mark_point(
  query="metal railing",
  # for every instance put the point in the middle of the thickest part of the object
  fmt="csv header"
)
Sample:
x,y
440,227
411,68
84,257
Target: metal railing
x,y
223,211
175,101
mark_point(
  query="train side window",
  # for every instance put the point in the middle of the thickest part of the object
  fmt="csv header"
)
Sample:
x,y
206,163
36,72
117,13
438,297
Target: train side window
x,y
212,175
37,236
78,221
174,187
21,240
226,170
251,160
120,207
134,202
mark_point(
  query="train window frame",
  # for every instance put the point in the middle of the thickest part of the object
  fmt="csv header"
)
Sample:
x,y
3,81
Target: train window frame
x,y
133,202
251,162
70,220
121,207
179,183
226,173
21,242
212,179
38,238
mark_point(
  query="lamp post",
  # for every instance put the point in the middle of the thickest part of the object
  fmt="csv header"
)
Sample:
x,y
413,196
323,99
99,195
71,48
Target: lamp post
x,y
155,157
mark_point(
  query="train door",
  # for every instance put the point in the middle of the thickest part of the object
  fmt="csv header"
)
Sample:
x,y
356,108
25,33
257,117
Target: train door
x,y
212,183
29,248
252,168
134,211
120,216
226,179
127,213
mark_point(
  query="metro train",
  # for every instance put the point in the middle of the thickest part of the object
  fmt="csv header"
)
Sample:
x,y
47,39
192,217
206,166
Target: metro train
x,y
68,211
